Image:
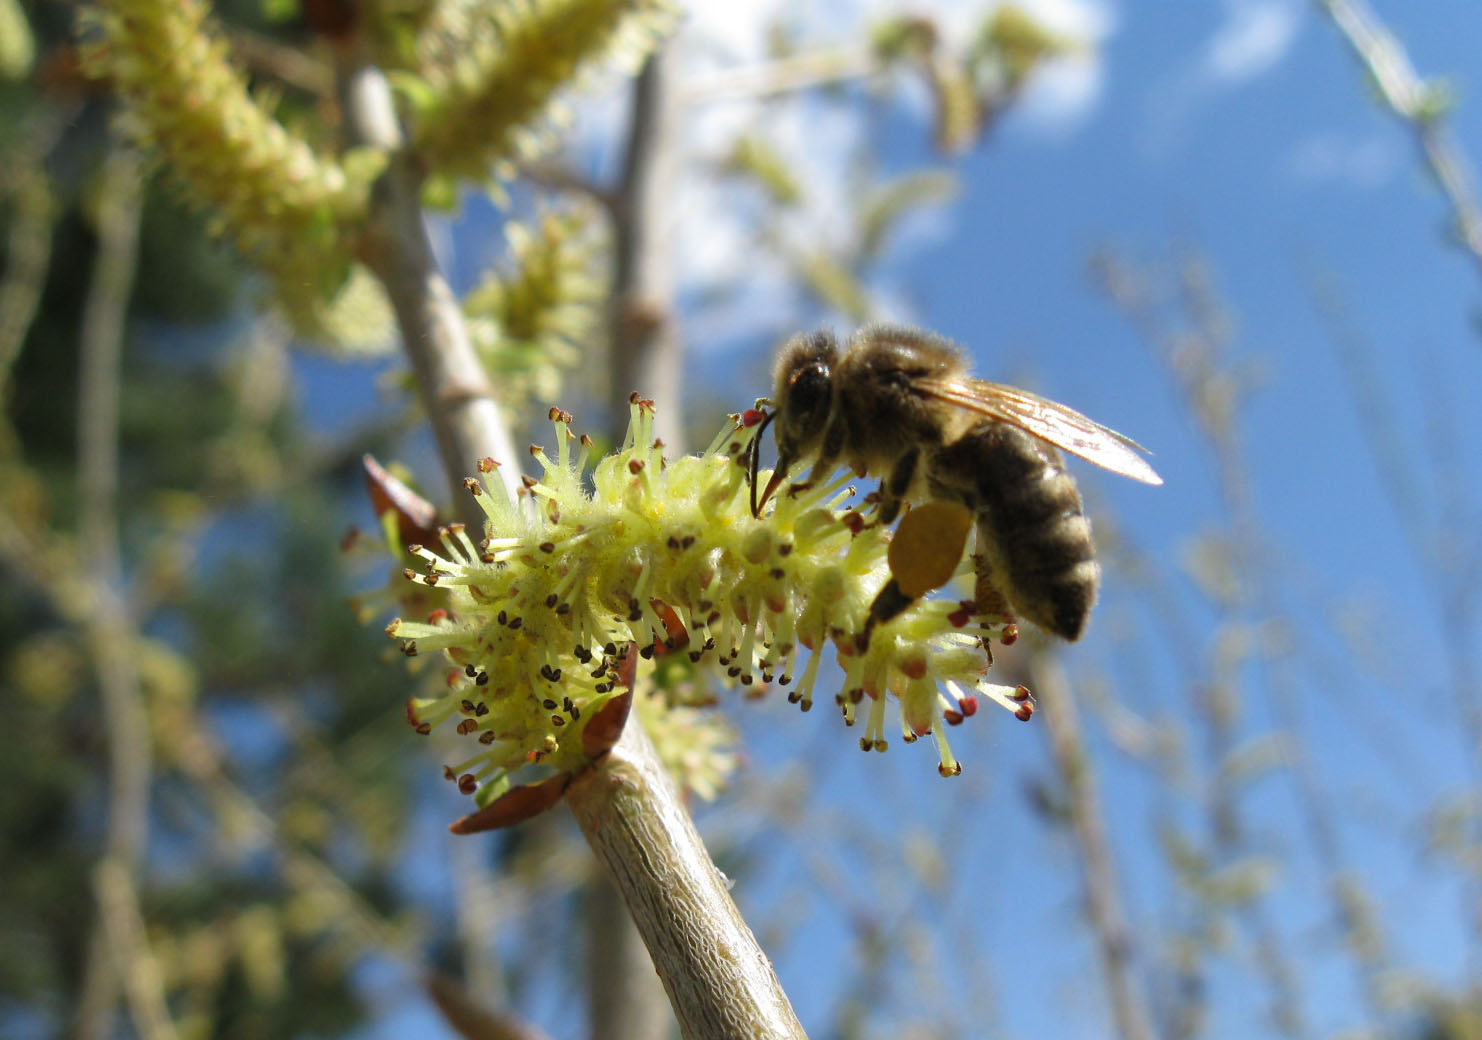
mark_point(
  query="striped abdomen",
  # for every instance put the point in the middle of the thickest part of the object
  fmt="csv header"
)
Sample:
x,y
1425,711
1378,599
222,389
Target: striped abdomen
x,y
1034,542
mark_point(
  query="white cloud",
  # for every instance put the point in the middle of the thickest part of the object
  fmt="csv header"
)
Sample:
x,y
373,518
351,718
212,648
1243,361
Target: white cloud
x,y
1061,96
1254,37
1251,39
1362,162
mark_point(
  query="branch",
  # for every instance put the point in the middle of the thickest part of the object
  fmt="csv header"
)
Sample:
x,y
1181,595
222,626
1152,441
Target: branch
x,y
1103,902
786,75
646,354
469,1018
720,982
33,209
117,945
1409,98
465,417
123,927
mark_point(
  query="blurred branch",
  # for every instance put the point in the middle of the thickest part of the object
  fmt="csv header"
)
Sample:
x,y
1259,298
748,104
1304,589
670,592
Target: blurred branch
x,y
785,75
123,926
287,64
470,1019
103,318
556,176
646,353
1449,580
625,1000
199,757
28,246
1103,901
1420,106
118,952
477,917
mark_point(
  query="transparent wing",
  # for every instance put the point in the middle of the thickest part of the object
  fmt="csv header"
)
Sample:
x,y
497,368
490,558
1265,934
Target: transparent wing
x,y
1061,426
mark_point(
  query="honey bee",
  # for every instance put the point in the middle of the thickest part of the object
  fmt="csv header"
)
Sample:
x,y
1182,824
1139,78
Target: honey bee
x,y
897,403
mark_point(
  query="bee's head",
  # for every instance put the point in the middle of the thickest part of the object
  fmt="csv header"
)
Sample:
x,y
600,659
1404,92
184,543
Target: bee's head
x,y
802,398
803,382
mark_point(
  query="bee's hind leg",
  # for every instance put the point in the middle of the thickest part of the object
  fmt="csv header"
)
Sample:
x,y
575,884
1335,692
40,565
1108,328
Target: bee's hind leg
x,y
889,603
990,603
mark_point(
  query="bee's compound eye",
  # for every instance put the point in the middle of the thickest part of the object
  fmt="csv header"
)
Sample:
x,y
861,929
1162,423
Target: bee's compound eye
x,y
810,389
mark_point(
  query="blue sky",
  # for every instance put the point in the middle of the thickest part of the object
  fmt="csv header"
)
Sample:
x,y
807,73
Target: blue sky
x,y
1244,133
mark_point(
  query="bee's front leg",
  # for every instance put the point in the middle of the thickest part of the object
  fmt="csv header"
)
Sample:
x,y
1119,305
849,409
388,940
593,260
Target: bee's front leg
x,y
814,476
828,458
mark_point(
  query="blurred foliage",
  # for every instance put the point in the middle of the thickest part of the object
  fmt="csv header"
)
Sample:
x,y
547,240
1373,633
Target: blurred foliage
x,y
531,321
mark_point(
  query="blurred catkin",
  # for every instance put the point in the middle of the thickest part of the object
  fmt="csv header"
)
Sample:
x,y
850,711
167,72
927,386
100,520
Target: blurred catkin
x,y
287,205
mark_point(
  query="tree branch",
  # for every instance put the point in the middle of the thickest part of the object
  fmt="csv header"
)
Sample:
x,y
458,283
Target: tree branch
x,y
117,944
460,403
1409,98
719,981
646,355
1103,902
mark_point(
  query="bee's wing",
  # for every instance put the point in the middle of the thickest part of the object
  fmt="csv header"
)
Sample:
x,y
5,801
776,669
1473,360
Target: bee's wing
x,y
1061,426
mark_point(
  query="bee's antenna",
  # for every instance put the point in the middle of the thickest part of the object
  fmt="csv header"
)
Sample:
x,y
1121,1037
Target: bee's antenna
x,y
756,460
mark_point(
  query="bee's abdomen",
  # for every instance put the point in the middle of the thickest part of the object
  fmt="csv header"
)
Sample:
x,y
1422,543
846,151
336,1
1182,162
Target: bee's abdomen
x,y
1033,535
